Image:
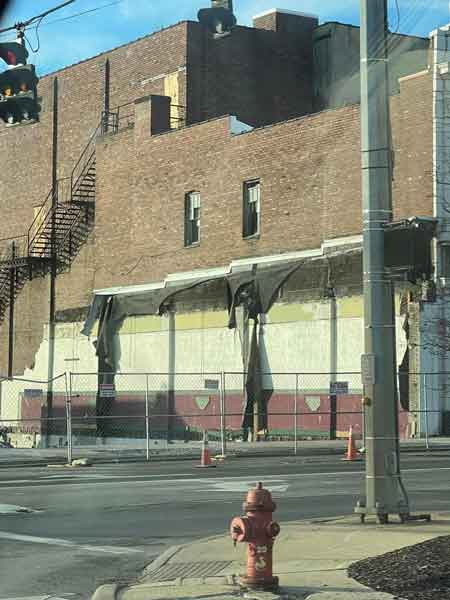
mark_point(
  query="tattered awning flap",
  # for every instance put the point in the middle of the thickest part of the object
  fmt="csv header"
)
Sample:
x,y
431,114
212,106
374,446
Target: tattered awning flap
x,y
263,282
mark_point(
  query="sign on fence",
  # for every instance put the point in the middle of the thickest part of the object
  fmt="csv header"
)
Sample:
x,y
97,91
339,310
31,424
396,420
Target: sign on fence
x,y
33,393
107,390
211,384
339,388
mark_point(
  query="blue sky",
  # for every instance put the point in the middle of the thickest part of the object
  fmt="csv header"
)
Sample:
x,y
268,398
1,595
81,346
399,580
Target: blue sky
x,y
73,40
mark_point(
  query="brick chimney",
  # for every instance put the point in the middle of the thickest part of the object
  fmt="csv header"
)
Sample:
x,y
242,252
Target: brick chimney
x,y
152,115
286,21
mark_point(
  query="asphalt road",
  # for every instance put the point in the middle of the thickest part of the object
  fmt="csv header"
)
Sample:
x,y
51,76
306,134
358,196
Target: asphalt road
x,y
87,527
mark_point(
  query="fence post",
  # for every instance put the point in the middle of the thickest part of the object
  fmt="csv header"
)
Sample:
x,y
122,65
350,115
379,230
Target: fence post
x,y
295,415
363,423
69,418
147,420
222,414
425,398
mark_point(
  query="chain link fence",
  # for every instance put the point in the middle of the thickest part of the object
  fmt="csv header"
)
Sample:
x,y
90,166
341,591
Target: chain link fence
x,y
33,414
146,414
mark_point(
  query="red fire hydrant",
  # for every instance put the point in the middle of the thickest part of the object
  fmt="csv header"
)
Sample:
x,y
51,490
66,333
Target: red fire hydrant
x,y
258,529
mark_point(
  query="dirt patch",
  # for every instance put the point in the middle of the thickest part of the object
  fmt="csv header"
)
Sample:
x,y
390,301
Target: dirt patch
x,y
419,572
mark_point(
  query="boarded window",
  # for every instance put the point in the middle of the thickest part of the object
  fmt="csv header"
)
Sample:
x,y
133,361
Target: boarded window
x,y
251,208
192,218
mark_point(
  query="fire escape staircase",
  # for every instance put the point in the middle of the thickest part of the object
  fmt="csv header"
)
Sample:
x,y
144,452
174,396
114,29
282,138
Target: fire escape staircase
x,y
59,229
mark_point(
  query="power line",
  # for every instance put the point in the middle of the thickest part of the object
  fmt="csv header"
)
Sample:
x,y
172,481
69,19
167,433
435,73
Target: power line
x,y
62,19
23,24
85,12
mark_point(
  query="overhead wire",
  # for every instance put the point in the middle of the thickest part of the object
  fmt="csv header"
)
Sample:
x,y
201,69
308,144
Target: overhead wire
x,y
63,19
84,12
37,37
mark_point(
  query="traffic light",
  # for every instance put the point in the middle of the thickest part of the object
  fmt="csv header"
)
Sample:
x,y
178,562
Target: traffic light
x,y
219,19
13,53
18,95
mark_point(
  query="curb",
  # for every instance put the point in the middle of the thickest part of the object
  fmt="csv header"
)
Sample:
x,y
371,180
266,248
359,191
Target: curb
x,y
106,592
159,458
363,595
161,560
218,580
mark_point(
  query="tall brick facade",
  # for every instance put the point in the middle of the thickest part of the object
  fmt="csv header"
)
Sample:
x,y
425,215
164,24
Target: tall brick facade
x,y
308,165
310,187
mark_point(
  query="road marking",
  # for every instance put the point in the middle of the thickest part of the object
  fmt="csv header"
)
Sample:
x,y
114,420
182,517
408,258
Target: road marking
x,y
6,535
47,597
66,482
70,479
244,486
88,476
12,509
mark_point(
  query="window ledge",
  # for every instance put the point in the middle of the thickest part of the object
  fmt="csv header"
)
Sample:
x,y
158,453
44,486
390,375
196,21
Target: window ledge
x,y
250,238
194,245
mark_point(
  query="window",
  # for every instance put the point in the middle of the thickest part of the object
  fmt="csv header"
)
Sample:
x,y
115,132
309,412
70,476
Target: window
x,y
251,208
192,219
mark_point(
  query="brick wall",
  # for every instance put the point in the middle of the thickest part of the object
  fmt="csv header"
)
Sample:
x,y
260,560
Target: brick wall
x,y
310,180
27,162
309,171
262,76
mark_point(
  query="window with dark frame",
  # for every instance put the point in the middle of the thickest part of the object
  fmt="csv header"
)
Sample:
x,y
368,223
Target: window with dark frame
x,y
192,205
251,208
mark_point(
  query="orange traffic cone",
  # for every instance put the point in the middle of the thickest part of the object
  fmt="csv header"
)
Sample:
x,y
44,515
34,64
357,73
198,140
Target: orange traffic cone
x,y
205,460
351,448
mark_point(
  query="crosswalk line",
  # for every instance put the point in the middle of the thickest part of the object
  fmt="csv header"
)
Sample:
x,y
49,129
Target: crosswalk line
x,y
6,535
244,486
12,509
47,597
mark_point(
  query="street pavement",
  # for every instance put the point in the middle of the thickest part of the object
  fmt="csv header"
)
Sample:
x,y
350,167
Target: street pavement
x,y
311,559
67,531
178,450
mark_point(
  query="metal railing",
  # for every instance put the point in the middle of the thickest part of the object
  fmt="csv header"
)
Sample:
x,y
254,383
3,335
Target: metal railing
x,y
118,118
12,247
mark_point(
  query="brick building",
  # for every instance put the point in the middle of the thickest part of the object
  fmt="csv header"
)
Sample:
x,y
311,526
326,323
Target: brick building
x,y
183,162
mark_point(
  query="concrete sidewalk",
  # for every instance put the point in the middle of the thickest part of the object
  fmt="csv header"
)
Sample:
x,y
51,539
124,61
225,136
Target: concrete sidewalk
x,y
310,558
17,457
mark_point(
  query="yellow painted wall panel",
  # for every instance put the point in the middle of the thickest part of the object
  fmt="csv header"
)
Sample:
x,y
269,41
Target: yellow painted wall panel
x,y
172,89
350,307
284,313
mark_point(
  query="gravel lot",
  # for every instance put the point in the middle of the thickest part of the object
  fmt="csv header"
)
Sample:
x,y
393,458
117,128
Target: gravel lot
x,y
419,572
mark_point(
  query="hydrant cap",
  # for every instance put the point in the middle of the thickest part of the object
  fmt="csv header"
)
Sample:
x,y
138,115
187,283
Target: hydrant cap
x,y
240,529
259,499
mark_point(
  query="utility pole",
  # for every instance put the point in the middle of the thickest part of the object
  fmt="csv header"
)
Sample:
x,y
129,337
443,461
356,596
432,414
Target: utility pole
x,y
53,268
385,493
12,296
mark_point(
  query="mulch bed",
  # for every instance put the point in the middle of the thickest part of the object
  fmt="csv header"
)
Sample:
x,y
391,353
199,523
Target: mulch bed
x,y
419,572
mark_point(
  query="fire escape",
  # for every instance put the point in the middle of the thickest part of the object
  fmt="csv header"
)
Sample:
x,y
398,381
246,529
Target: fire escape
x,y
59,229
63,222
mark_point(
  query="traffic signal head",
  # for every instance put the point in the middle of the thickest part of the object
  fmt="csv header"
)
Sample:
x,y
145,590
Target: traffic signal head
x,y
18,95
219,19
13,53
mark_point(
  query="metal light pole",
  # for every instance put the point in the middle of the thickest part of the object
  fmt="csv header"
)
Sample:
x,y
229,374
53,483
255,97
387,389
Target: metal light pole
x,y
384,490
